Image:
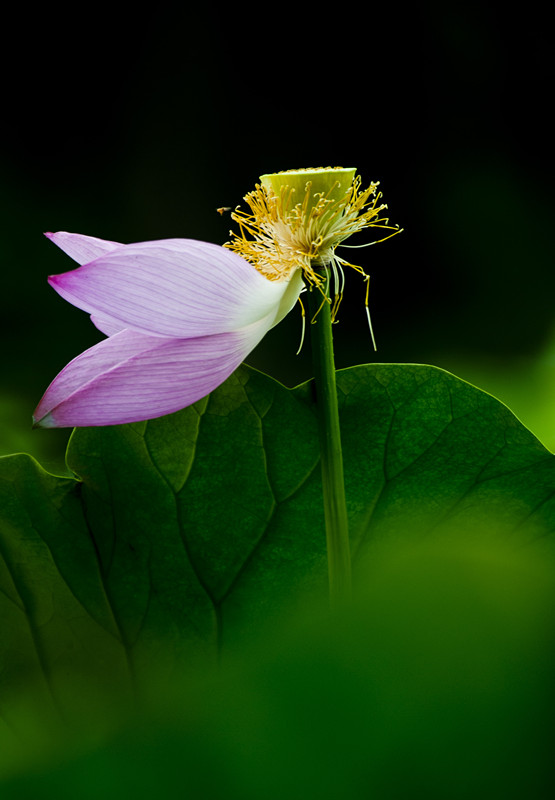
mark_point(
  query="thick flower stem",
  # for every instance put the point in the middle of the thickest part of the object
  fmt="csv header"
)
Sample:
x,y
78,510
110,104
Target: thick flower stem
x,y
335,507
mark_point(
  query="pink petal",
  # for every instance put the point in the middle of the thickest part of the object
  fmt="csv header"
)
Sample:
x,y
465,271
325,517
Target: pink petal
x,y
173,287
106,324
82,248
132,376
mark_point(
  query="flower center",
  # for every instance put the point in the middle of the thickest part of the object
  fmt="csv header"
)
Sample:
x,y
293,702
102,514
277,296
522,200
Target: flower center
x,y
298,218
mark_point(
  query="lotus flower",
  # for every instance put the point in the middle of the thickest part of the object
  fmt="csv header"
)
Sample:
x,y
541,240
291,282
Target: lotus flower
x,y
180,316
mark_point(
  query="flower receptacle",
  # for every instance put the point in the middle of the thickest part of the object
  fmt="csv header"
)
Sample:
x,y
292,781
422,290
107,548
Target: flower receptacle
x,y
332,182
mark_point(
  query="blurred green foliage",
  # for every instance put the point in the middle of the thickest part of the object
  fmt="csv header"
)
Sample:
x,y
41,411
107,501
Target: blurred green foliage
x,y
164,621
439,684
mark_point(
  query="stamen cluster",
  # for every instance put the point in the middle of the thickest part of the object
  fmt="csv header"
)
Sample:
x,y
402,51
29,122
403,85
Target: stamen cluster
x,y
291,230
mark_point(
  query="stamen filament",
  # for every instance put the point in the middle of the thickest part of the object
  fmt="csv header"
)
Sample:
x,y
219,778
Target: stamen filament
x,y
303,326
367,279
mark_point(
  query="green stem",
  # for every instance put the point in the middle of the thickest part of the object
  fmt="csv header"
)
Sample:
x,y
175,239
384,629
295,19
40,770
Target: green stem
x,y
335,506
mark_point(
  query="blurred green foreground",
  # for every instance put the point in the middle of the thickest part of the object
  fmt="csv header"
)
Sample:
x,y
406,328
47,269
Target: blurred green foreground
x,y
438,685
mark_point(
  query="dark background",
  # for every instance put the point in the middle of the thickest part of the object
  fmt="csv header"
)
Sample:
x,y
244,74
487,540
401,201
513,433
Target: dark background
x,y
139,127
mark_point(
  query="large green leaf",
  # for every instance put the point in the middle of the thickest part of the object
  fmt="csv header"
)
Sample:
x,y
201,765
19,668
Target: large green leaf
x,y
188,534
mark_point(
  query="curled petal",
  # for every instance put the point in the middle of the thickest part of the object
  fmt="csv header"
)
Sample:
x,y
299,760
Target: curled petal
x,y
132,376
174,287
82,248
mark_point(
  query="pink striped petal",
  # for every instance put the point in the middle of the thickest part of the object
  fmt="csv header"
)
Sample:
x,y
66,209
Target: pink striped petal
x,y
172,287
107,325
132,376
82,248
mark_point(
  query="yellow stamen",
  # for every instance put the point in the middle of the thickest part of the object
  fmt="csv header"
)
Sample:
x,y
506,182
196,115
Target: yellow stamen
x,y
298,218
303,324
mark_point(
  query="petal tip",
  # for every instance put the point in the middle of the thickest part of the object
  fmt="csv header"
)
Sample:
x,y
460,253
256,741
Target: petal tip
x,y
52,236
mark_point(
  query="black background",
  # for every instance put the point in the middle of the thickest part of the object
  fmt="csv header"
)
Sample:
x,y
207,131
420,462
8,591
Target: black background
x,y
139,126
